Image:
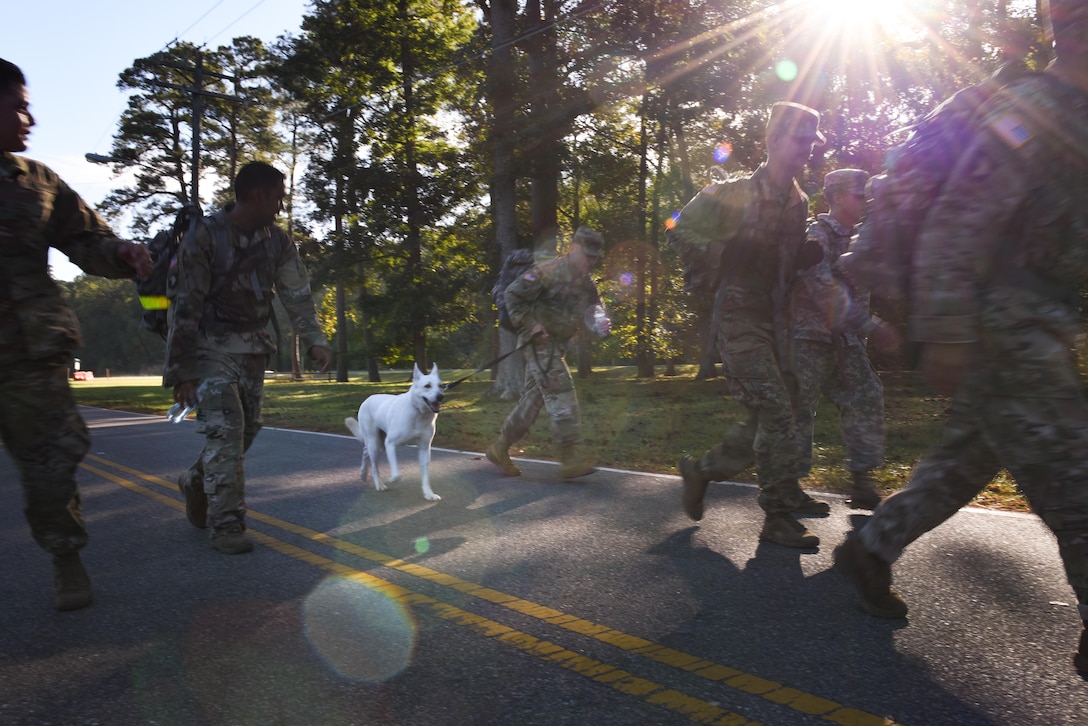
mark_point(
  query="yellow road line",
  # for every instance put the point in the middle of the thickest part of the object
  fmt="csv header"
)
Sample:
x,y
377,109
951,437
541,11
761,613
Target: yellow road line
x,y
772,691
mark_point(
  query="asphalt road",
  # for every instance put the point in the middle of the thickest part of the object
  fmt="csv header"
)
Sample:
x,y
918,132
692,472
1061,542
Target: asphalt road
x,y
511,601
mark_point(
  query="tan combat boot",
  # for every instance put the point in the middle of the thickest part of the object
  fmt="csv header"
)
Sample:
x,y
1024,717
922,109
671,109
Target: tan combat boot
x,y
871,577
499,455
863,493
695,484
572,466
196,501
781,528
72,585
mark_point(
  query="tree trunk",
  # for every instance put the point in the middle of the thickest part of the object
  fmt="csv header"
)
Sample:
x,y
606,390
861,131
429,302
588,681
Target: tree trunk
x,y
509,375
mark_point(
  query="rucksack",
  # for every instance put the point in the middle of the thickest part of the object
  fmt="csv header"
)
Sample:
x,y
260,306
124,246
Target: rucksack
x,y
153,290
514,266
881,257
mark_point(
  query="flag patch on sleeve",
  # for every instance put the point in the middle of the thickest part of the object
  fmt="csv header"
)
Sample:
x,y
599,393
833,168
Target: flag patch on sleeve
x,y
1012,130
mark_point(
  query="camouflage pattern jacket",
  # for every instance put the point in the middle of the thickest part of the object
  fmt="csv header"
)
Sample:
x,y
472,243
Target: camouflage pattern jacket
x,y
223,299
759,231
825,308
1006,247
38,211
552,294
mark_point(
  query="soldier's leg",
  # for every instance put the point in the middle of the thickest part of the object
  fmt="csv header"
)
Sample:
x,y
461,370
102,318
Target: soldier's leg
x,y
1044,446
757,383
814,362
46,437
221,418
518,422
857,392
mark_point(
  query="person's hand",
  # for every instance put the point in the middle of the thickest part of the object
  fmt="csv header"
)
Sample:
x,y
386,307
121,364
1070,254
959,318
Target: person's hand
x,y
320,355
886,338
185,392
135,256
944,365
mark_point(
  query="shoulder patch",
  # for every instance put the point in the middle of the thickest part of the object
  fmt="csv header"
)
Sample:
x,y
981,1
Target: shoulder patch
x,y
1010,129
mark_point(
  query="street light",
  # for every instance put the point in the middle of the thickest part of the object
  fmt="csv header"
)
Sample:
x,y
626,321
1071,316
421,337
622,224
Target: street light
x,y
103,159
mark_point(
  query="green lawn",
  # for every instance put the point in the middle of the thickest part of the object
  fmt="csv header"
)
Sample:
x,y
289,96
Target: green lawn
x,y
627,422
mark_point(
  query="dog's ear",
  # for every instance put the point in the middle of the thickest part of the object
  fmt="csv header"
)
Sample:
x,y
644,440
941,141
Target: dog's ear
x,y
416,375
434,369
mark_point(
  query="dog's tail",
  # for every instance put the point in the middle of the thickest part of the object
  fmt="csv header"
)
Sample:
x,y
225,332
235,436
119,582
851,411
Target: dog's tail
x,y
353,427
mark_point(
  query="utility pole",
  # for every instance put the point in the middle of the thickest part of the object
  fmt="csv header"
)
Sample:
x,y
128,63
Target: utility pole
x,y
198,92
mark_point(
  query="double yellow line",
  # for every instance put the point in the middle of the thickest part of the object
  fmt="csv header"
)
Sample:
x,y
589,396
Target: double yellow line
x,y
698,710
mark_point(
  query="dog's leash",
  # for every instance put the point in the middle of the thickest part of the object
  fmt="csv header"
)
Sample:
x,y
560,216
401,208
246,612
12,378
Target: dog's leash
x,y
483,368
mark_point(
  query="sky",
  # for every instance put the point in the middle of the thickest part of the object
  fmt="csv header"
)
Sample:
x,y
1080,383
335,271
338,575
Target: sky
x,y
72,52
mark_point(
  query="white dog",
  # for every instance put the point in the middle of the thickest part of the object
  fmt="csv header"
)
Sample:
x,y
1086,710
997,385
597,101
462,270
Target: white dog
x,y
406,418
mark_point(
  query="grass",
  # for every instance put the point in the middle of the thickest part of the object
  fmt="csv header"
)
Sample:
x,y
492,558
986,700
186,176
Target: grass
x,y
629,423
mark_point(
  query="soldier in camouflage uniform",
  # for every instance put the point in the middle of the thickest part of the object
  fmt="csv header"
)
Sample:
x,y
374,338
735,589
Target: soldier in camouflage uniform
x,y
755,227
831,325
39,422
217,350
995,300
548,305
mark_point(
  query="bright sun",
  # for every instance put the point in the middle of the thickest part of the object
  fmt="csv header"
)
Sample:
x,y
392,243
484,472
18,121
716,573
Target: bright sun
x,y
894,17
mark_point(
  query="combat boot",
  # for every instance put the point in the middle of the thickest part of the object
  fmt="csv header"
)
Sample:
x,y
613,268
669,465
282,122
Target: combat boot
x,y
72,585
499,455
196,501
572,466
1080,659
231,540
863,493
799,502
781,528
695,484
871,577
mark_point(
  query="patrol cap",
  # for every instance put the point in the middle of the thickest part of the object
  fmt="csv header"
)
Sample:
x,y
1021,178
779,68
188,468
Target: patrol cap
x,y
590,240
795,119
851,181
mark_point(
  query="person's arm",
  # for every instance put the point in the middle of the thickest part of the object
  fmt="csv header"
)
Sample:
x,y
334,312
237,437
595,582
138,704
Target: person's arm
x,y
293,289
520,296
186,310
75,229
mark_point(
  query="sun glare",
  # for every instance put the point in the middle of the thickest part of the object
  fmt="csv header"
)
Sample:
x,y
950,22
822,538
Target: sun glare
x,y
893,17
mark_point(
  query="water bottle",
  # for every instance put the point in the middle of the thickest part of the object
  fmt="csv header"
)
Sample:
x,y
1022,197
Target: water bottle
x,y
601,324
179,411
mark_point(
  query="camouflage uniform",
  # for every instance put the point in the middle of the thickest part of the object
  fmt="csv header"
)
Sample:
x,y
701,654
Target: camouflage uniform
x,y
39,422
830,328
553,295
999,266
220,312
765,228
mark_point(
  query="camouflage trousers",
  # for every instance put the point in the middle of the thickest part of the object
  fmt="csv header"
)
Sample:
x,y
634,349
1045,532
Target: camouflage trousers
x,y
45,435
769,437
845,375
1042,443
548,384
229,397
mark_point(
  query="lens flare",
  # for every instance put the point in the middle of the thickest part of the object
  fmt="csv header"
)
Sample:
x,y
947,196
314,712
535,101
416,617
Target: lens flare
x,y
360,633
722,152
786,70
671,221
626,278
422,545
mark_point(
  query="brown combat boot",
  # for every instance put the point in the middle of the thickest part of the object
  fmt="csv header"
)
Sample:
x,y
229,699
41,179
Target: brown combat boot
x,y
499,455
863,494
232,540
695,484
72,585
196,501
781,528
871,577
572,466
798,501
